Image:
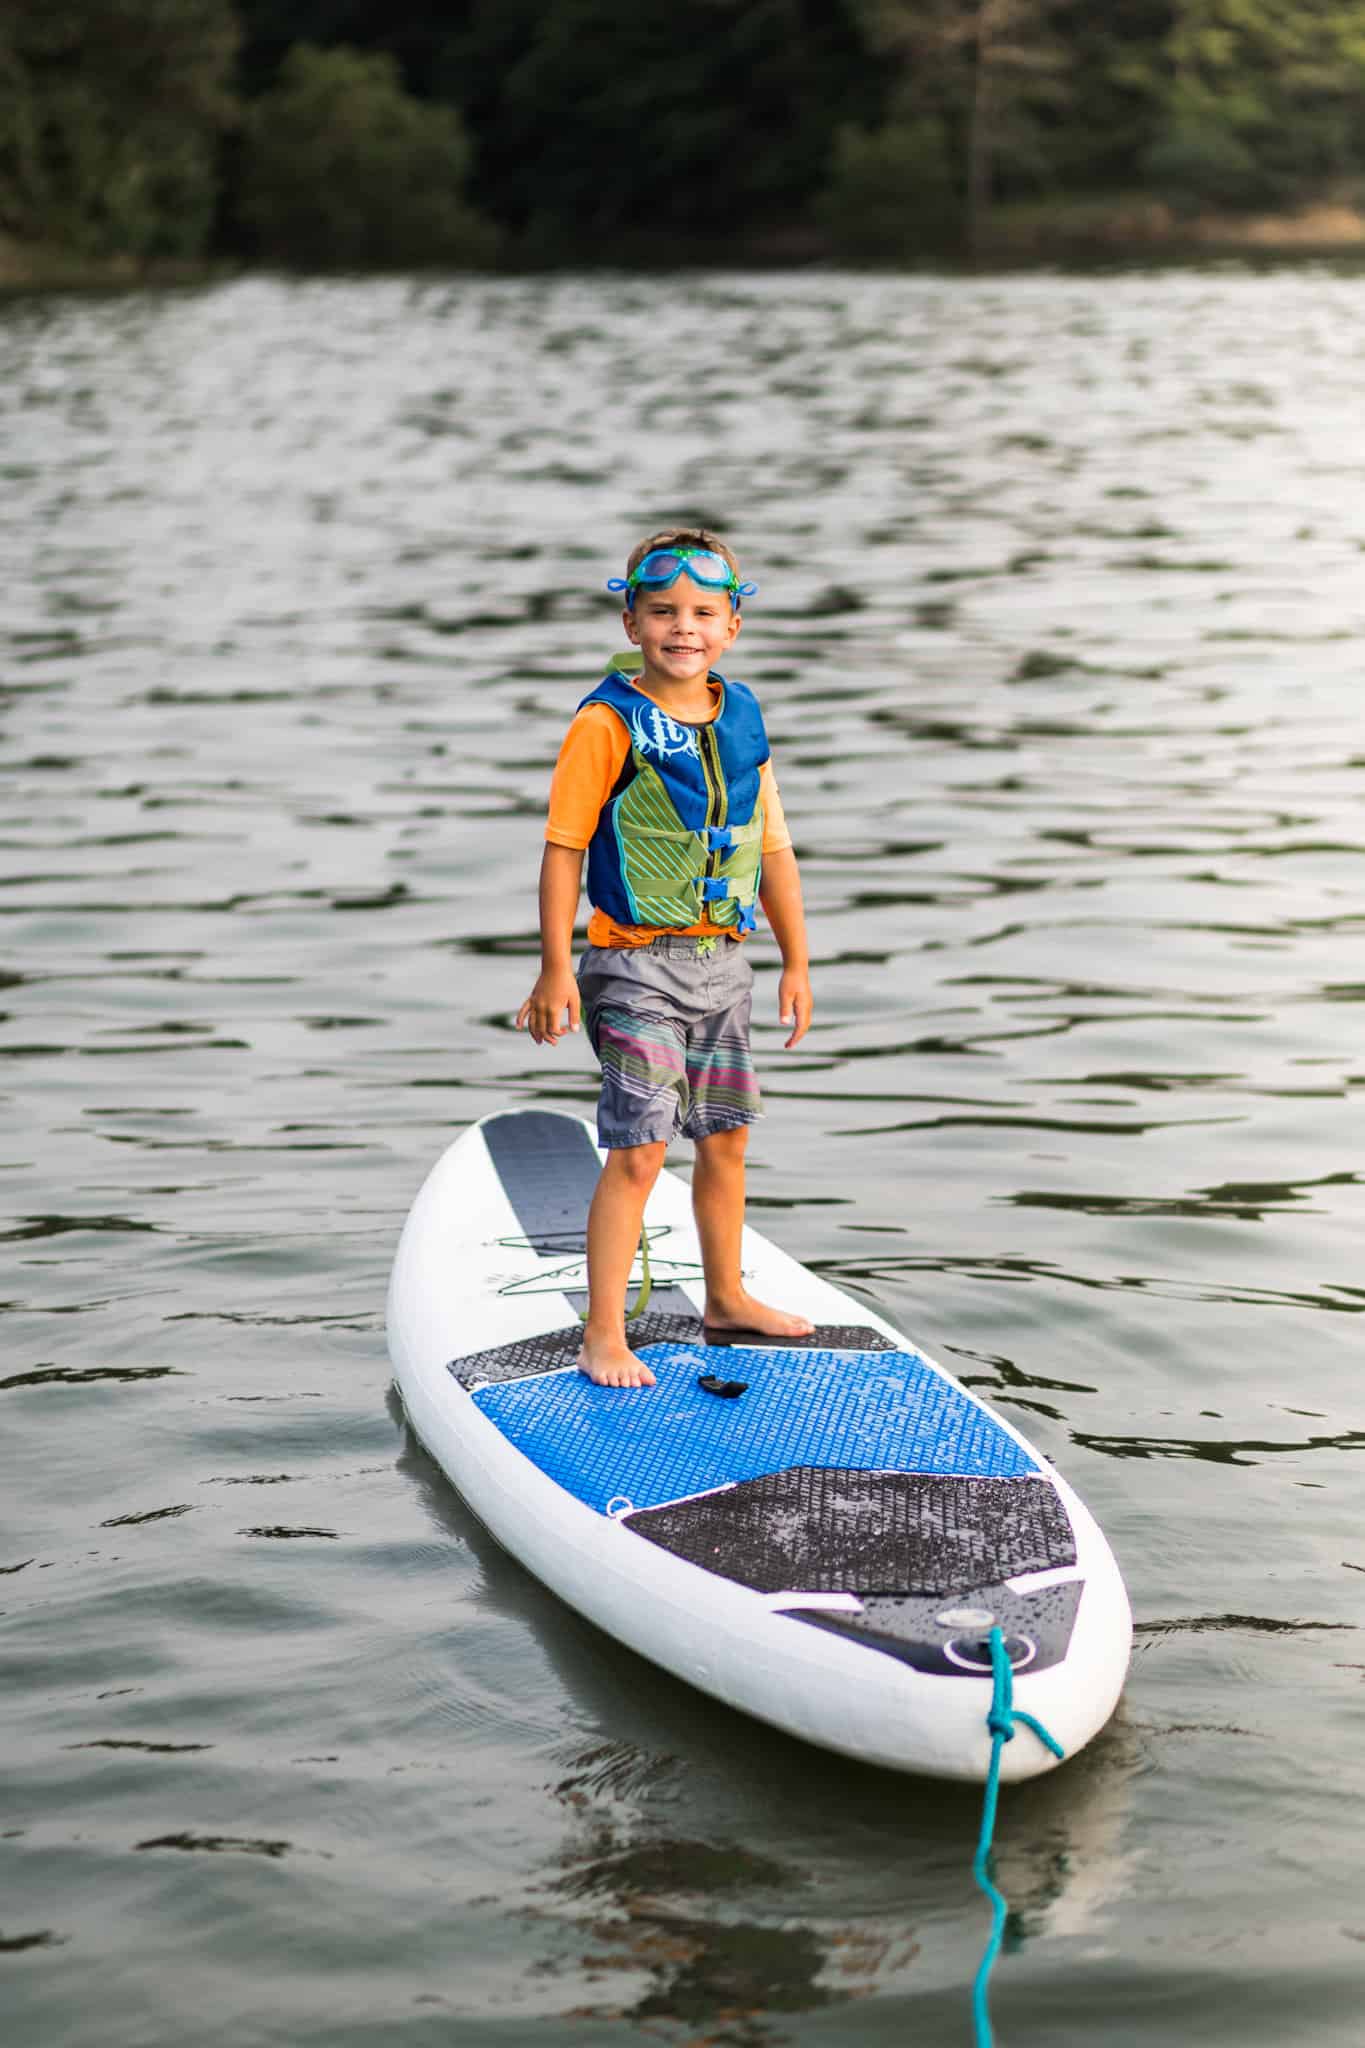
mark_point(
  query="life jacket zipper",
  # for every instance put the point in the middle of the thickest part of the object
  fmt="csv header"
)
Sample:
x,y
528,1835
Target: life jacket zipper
x,y
717,801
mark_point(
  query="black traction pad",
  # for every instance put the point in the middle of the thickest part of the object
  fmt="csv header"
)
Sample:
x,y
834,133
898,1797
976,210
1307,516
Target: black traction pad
x,y
951,1640
824,1337
559,1348
548,1166
816,1529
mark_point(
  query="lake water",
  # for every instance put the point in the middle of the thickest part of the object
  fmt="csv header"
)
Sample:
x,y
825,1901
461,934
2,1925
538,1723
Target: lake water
x,y
1062,593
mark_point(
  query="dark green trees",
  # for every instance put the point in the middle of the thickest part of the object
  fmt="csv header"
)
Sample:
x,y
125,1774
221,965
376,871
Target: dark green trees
x,y
974,78
604,124
1261,101
341,168
393,132
111,113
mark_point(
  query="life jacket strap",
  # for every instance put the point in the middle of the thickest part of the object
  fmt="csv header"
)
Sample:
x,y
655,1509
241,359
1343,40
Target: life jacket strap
x,y
661,832
728,838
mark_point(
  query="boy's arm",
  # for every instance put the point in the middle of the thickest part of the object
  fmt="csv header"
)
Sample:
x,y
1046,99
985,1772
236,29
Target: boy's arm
x,y
780,895
589,761
556,991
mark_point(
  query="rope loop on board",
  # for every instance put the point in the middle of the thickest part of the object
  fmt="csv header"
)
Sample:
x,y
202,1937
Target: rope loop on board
x,y
1000,1719
555,1279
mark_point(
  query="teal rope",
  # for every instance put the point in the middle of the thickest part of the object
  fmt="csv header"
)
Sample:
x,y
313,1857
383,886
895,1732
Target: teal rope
x,y
1000,1720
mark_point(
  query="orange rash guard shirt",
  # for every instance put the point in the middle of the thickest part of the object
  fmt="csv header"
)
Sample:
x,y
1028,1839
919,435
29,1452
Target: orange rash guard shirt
x,y
593,754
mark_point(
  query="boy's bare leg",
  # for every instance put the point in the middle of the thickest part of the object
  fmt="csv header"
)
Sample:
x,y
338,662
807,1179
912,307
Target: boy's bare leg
x,y
718,1205
618,1208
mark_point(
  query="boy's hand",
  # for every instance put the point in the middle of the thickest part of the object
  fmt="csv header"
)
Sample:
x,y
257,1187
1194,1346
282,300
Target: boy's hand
x,y
554,995
795,1003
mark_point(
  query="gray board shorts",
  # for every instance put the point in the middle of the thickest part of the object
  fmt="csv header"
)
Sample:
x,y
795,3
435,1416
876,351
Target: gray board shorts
x,y
669,1022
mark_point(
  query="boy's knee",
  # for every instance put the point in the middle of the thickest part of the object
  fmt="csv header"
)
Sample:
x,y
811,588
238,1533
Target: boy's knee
x,y
724,1145
638,1165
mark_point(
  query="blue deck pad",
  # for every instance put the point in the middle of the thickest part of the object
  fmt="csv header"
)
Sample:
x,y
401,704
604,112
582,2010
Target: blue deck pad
x,y
864,1411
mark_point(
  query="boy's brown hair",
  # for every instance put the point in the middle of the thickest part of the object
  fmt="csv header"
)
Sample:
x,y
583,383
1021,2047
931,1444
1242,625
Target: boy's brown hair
x,y
684,537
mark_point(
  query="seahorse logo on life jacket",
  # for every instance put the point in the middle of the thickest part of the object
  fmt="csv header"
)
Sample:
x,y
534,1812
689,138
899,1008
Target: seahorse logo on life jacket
x,y
654,732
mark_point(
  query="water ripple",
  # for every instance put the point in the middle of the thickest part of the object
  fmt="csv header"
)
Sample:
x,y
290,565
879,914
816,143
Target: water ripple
x,y
1056,639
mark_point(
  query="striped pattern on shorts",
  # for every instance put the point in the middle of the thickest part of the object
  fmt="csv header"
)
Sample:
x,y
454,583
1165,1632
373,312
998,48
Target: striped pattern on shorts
x,y
669,1023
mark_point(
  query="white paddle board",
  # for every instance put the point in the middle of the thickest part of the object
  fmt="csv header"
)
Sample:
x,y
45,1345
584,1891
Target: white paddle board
x,y
827,1549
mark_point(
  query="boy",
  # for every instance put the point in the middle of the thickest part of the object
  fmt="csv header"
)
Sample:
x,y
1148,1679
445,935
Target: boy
x,y
666,782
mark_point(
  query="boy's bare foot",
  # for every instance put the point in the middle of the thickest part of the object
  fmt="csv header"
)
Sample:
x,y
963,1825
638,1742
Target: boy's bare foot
x,y
608,1362
742,1312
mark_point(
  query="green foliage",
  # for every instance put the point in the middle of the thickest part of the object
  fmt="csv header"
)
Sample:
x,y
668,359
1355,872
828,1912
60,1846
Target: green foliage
x,y
110,117
607,130
890,195
1263,100
604,125
1195,164
1117,53
341,168
998,72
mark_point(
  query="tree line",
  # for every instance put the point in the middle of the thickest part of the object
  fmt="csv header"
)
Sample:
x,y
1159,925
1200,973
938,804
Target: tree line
x,y
342,133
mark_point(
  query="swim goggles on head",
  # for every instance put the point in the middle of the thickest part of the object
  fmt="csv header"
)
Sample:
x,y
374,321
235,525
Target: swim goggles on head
x,y
661,568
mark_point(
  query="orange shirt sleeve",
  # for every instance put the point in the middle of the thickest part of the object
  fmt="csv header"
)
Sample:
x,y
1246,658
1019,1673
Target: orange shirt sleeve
x,y
776,832
591,758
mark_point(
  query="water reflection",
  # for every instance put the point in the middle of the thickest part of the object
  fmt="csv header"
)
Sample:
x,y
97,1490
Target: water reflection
x,y
817,1882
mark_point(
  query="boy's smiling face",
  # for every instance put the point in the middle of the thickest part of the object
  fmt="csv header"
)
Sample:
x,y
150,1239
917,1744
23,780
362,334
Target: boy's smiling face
x,y
682,631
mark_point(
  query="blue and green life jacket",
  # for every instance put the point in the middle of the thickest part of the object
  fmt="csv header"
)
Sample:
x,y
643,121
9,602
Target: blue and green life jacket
x,y
680,837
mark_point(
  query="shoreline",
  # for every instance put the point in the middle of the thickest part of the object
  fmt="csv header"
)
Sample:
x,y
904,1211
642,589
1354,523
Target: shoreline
x,y
1112,229
1138,227
39,266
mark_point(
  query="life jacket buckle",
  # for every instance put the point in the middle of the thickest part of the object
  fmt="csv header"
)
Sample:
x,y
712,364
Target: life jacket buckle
x,y
714,889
